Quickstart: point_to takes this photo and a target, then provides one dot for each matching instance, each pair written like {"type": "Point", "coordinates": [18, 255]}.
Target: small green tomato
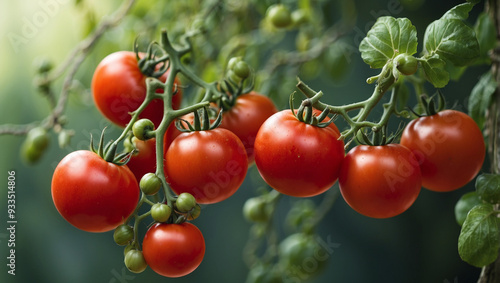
{"type": "Point", "coordinates": [242, 70]}
{"type": "Point", "coordinates": [135, 262]}
{"type": "Point", "coordinates": [185, 202]}
{"type": "Point", "coordinates": [34, 145]}
{"type": "Point", "coordinates": [255, 210]}
{"type": "Point", "coordinates": [143, 129]}
{"type": "Point", "coordinates": [160, 212]}
{"type": "Point", "coordinates": [123, 234]}
{"type": "Point", "coordinates": [194, 213]}
{"type": "Point", "coordinates": [406, 64]}
{"type": "Point", "coordinates": [150, 184]}
{"type": "Point", "coordinates": [279, 15]}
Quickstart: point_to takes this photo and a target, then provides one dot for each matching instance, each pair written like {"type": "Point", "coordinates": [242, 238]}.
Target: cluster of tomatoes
{"type": "Point", "coordinates": [297, 152]}
{"type": "Point", "coordinates": [440, 152]}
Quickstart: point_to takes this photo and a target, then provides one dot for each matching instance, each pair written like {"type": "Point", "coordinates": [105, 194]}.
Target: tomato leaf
{"type": "Point", "coordinates": [488, 187]}
{"type": "Point", "coordinates": [464, 205]}
{"type": "Point", "coordinates": [481, 97]}
{"type": "Point", "coordinates": [478, 242]}
{"type": "Point", "coordinates": [459, 12]}
{"type": "Point", "coordinates": [435, 72]}
{"type": "Point", "coordinates": [387, 38]}
{"type": "Point", "coordinates": [451, 38]}
{"type": "Point", "coordinates": [486, 35]}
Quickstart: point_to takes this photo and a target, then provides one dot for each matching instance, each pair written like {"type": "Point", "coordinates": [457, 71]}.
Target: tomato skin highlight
{"type": "Point", "coordinates": [211, 165]}
{"type": "Point", "coordinates": [173, 250]}
{"type": "Point", "coordinates": [449, 147]}
{"type": "Point", "coordinates": [295, 158]}
{"type": "Point", "coordinates": [93, 194]}
{"type": "Point", "coordinates": [380, 181]}
{"type": "Point", "coordinates": [245, 118]}
{"type": "Point", "coordinates": [119, 87]}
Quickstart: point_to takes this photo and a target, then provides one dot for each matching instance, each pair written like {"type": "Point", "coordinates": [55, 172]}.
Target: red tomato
{"type": "Point", "coordinates": [449, 147]}
{"type": "Point", "coordinates": [144, 160]}
{"type": "Point", "coordinates": [380, 181]}
{"type": "Point", "coordinates": [172, 131]}
{"type": "Point", "coordinates": [92, 194]}
{"type": "Point", "coordinates": [245, 118]}
{"type": "Point", "coordinates": [296, 158]}
{"type": "Point", "coordinates": [173, 250]}
{"type": "Point", "coordinates": [119, 87]}
{"type": "Point", "coordinates": [210, 165]}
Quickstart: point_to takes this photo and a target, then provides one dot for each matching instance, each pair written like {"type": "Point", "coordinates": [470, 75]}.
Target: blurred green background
{"type": "Point", "coordinates": [418, 246]}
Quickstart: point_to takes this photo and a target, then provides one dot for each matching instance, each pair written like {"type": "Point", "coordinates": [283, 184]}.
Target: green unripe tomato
{"type": "Point", "coordinates": [135, 262]}
{"type": "Point", "coordinates": [123, 234]}
{"type": "Point", "coordinates": [233, 77]}
{"type": "Point", "coordinates": [185, 202]}
{"type": "Point", "coordinates": [34, 145]}
{"type": "Point", "coordinates": [30, 154]}
{"type": "Point", "coordinates": [129, 247]}
{"type": "Point", "coordinates": [279, 15]}
{"type": "Point", "coordinates": [143, 129]}
{"type": "Point", "coordinates": [150, 184]}
{"type": "Point", "coordinates": [303, 254]}
{"type": "Point", "coordinates": [64, 138]}
{"type": "Point", "coordinates": [38, 138]}
{"type": "Point", "coordinates": [406, 64]}
{"type": "Point", "coordinates": [160, 212]}
{"type": "Point", "coordinates": [241, 69]}
{"type": "Point", "coordinates": [299, 17]}
{"type": "Point", "coordinates": [194, 213]}
{"type": "Point", "coordinates": [255, 210]}
{"type": "Point", "coordinates": [232, 62]}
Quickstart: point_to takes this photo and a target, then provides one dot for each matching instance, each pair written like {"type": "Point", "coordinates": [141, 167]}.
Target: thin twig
{"type": "Point", "coordinates": [73, 63]}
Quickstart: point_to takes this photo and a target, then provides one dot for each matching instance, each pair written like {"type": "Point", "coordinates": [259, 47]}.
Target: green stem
{"type": "Point", "coordinates": [326, 204]}
{"type": "Point", "coordinates": [385, 81]}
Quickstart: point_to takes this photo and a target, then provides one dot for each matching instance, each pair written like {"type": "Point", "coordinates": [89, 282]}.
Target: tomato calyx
{"type": "Point", "coordinates": [201, 121]}
{"type": "Point", "coordinates": [305, 112]}
{"type": "Point", "coordinates": [379, 137]}
{"type": "Point", "coordinates": [150, 65]}
{"type": "Point", "coordinates": [427, 105]}
{"type": "Point", "coordinates": [233, 86]}
{"type": "Point", "coordinates": [108, 151]}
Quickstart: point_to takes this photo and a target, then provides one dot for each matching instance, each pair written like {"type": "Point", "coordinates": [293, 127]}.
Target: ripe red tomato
{"type": "Point", "coordinates": [245, 118]}
{"type": "Point", "coordinates": [172, 131]}
{"type": "Point", "coordinates": [449, 147]}
{"type": "Point", "coordinates": [144, 160]}
{"type": "Point", "coordinates": [296, 158]}
{"type": "Point", "coordinates": [119, 87]}
{"type": "Point", "coordinates": [92, 194]}
{"type": "Point", "coordinates": [380, 181]}
{"type": "Point", "coordinates": [210, 165]}
{"type": "Point", "coordinates": [173, 250]}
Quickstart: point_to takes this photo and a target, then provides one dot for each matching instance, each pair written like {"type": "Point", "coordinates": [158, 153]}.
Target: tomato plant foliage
{"type": "Point", "coordinates": [194, 122]}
